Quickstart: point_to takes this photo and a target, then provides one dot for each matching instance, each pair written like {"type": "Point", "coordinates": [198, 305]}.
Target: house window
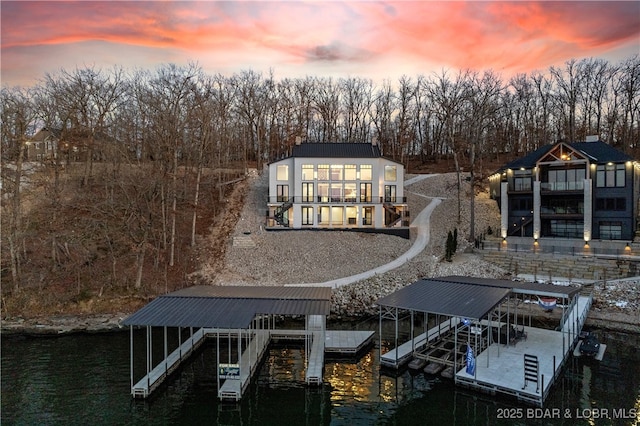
{"type": "Point", "coordinates": [323, 192]}
{"type": "Point", "coordinates": [352, 215]}
{"type": "Point", "coordinates": [307, 215]}
{"type": "Point", "coordinates": [282, 172]}
{"type": "Point", "coordinates": [390, 193]}
{"type": "Point", "coordinates": [610, 230]}
{"type": "Point", "coordinates": [390, 173]}
{"type": "Point", "coordinates": [323, 172]}
{"type": "Point", "coordinates": [307, 192]}
{"type": "Point", "coordinates": [522, 180]}
{"type": "Point", "coordinates": [282, 193]}
{"type": "Point", "coordinates": [337, 215]}
{"type": "Point", "coordinates": [350, 193]}
{"type": "Point", "coordinates": [367, 216]}
{"type": "Point", "coordinates": [365, 172]}
{"type": "Point", "coordinates": [307, 172]}
{"type": "Point", "coordinates": [336, 172]}
{"type": "Point", "coordinates": [524, 204]}
{"type": "Point", "coordinates": [613, 204]}
{"type": "Point", "coordinates": [567, 228]}
{"type": "Point", "coordinates": [323, 216]}
{"type": "Point", "coordinates": [350, 172]}
{"type": "Point", "coordinates": [365, 192]}
{"type": "Point", "coordinates": [565, 180]}
{"type": "Point", "coordinates": [610, 175]}
{"type": "Point", "coordinates": [336, 192]}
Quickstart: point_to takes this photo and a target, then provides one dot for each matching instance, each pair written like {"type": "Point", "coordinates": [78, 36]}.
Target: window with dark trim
{"type": "Point", "coordinates": [610, 230]}
{"type": "Point", "coordinates": [611, 204]}
{"type": "Point", "coordinates": [610, 175]}
{"type": "Point", "coordinates": [282, 193]}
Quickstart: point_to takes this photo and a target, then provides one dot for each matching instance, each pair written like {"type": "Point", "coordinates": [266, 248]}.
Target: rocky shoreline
{"type": "Point", "coordinates": [277, 258]}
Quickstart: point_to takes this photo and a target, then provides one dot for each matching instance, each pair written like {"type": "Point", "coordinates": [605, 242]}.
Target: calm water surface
{"type": "Point", "coordinates": [84, 379]}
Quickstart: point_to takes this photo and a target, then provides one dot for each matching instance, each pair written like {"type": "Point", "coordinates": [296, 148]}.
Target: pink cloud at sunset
{"type": "Point", "coordinates": [359, 38]}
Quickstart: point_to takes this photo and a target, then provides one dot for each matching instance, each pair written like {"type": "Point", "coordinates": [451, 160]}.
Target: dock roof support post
{"type": "Point", "coordinates": [131, 353]}
{"type": "Point", "coordinates": [413, 342]}
{"type": "Point", "coordinates": [218, 357]}
{"type": "Point", "coordinates": [148, 354]}
{"type": "Point", "coordinates": [489, 336]}
{"type": "Point", "coordinates": [180, 342]}
{"type": "Point", "coordinates": [166, 351]}
{"type": "Point", "coordinates": [396, 336]}
{"type": "Point", "coordinates": [380, 332]}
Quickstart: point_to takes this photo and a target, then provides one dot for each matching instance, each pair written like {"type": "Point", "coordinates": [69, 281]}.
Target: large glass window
{"type": "Point", "coordinates": [566, 228]}
{"type": "Point", "coordinates": [323, 192]}
{"type": "Point", "coordinates": [522, 180]}
{"type": "Point", "coordinates": [350, 172]}
{"type": "Point", "coordinates": [282, 193]}
{"type": "Point", "coordinates": [336, 172]}
{"type": "Point", "coordinates": [324, 215]}
{"type": "Point", "coordinates": [307, 172]}
{"type": "Point", "coordinates": [323, 172]}
{"type": "Point", "coordinates": [367, 216]}
{"type": "Point", "coordinates": [352, 215]}
{"type": "Point", "coordinates": [390, 173]}
{"type": "Point", "coordinates": [614, 204]}
{"type": "Point", "coordinates": [307, 191]}
{"type": "Point", "coordinates": [390, 193]}
{"type": "Point", "coordinates": [610, 175]}
{"type": "Point", "coordinates": [307, 215]}
{"type": "Point", "coordinates": [282, 172]}
{"type": "Point", "coordinates": [565, 180]}
{"type": "Point", "coordinates": [337, 215]}
{"type": "Point", "coordinates": [350, 193]}
{"type": "Point", "coordinates": [336, 192]}
{"type": "Point", "coordinates": [365, 172]}
{"type": "Point", "coordinates": [610, 230]}
{"type": "Point", "coordinates": [365, 193]}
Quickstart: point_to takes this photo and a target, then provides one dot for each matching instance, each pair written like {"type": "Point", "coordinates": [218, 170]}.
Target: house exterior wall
{"type": "Point", "coordinates": [340, 201]}
{"type": "Point", "coordinates": [594, 204]}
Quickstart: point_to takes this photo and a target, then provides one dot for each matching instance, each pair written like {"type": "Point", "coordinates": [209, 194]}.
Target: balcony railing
{"type": "Point", "coordinates": [562, 186]}
{"type": "Point", "coordinates": [341, 200]}
{"type": "Point", "coordinates": [546, 210]}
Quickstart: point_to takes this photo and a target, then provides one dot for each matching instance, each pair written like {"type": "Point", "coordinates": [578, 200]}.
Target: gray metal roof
{"type": "Point", "coordinates": [521, 287]}
{"type": "Point", "coordinates": [447, 298]}
{"type": "Point", "coordinates": [468, 297]}
{"type": "Point", "coordinates": [229, 306]}
{"type": "Point", "coordinates": [336, 150]}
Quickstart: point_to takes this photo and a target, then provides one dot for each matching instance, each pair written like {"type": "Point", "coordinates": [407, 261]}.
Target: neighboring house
{"type": "Point", "coordinates": [584, 190]}
{"type": "Point", "coordinates": [43, 145]}
{"type": "Point", "coordinates": [337, 186]}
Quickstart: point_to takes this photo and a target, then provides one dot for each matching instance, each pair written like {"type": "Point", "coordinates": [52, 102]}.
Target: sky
{"type": "Point", "coordinates": [377, 40]}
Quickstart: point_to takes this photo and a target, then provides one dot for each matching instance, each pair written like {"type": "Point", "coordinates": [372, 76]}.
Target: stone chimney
{"type": "Point", "coordinates": [374, 141]}
{"type": "Point", "coordinates": [593, 138]}
{"type": "Point", "coordinates": [298, 140]}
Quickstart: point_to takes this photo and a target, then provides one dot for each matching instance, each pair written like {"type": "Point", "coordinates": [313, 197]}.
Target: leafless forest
{"type": "Point", "coordinates": [145, 160]}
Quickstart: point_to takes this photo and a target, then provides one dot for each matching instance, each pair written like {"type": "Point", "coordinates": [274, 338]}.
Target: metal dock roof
{"type": "Point", "coordinates": [229, 306]}
{"type": "Point", "coordinates": [467, 297]}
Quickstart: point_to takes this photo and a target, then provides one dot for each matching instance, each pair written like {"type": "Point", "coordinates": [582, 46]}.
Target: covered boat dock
{"type": "Point", "coordinates": [479, 332]}
{"type": "Point", "coordinates": [242, 319]}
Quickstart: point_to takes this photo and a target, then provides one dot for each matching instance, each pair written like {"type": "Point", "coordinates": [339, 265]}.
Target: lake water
{"type": "Point", "coordinates": [84, 380]}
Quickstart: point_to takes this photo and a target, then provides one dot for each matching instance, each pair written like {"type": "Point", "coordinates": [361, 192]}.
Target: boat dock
{"type": "Point", "coordinates": [506, 355]}
{"type": "Point", "coordinates": [248, 326]}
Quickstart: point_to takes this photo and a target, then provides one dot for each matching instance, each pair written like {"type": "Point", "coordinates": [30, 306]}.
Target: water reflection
{"type": "Point", "coordinates": [67, 380]}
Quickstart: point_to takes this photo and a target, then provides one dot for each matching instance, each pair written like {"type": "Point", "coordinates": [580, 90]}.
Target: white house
{"type": "Point", "coordinates": [337, 186]}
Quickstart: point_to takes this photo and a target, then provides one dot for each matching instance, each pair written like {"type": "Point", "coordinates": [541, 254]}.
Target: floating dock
{"type": "Point", "coordinates": [484, 342]}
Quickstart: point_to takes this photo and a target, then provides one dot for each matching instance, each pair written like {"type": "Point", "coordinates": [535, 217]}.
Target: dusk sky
{"type": "Point", "coordinates": [369, 39]}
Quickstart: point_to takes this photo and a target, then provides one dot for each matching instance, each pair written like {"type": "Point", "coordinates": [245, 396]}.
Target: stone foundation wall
{"type": "Point", "coordinates": [548, 266]}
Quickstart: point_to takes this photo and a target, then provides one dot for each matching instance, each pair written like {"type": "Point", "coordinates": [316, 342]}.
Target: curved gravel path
{"type": "Point", "coordinates": [421, 223]}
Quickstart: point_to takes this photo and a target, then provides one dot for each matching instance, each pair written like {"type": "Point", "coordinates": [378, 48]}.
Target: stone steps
{"type": "Point", "coordinates": [243, 241]}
